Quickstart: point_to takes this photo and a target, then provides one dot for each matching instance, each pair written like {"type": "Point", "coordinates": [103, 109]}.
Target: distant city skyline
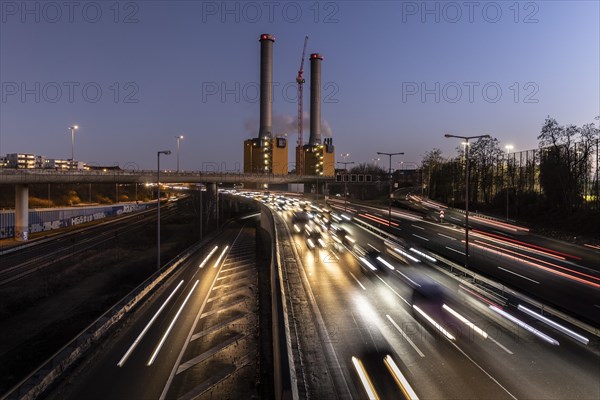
{"type": "Point", "coordinates": [397, 76]}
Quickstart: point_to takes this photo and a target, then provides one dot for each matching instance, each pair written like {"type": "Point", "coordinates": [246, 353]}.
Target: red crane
{"type": "Point", "coordinates": [300, 80]}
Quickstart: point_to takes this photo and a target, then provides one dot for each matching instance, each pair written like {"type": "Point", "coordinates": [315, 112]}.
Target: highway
{"type": "Point", "coordinates": [559, 276]}
{"type": "Point", "coordinates": [369, 314]}
{"type": "Point", "coordinates": [197, 335]}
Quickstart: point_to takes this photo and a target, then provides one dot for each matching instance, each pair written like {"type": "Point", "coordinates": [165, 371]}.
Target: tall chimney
{"type": "Point", "coordinates": [315, 99]}
{"type": "Point", "coordinates": [266, 85]}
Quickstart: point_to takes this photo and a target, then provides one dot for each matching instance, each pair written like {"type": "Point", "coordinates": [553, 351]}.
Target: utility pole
{"type": "Point", "coordinates": [346, 163]}
{"type": "Point", "coordinates": [390, 172]}
{"type": "Point", "coordinates": [165, 152]}
{"type": "Point", "coordinates": [466, 143]}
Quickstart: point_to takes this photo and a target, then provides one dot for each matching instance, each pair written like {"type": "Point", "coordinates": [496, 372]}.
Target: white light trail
{"type": "Point", "coordinates": [408, 391]}
{"type": "Point", "coordinates": [555, 325]}
{"type": "Point", "coordinates": [525, 326]}
{"type": "Point", "coordinates": [141, 335]}
{"type": "Point", "coordinates": [364, 379]}
{"type": "Point", "coordinates": [220, 257]}
{"type": "Point", "coordinates": [465, 321]}
{"type": "Point", "coordinates": [208, 256]}
{"type": "Point", "coordinates": [162, 340]}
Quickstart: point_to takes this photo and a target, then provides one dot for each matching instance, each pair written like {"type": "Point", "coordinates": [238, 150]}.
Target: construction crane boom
{"type": "Point", "coordinates": [300, 80]}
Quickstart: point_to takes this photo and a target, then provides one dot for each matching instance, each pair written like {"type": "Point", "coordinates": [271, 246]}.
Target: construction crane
{"type": "Point", "coordinates": [300, 80]}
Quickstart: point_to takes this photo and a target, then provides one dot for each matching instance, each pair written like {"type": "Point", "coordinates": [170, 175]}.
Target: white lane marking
{"type": "Point", "coordinates": [357, 281]}
{"type": "Point", "coordinates": [454, 218]}
{"type": "Point", "coordinates": [141, 335]}
{"type": "Point", "coordinates": [421, 237]}
{"type": "Point", "coordinates": [500, 345]}
{"type": "Point", "coordinates": [408, 279]}
{"type": "Point", "coordinates": [396, 293]}
{"type": "Point", "coordinates": [481, 368]}
{"type": "Point", "coordinates": [414, 346]}
{"type": "Point", "coordinates": [519, 275]}
{"type": "Point", "coordinates": [460, 252]}
{"type": "Point", "coordinates": [446, 236]}
{"type": "Point", "coordinates": [162, 341]}
{"type": "Point", "coordinates": [417, 226]}
{"type": "Point", "coordinates": [163, 395]}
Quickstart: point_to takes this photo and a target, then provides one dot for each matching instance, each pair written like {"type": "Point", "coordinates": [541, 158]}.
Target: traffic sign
{"type": "Point", "coordinates": [441, 215]}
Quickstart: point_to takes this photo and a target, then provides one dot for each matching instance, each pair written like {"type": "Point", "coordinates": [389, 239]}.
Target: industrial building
{"type": "Point", "coordinates": [268, 153]}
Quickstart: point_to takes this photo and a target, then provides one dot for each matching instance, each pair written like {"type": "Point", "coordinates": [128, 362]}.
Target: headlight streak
{"type": "Point", "coordinates": [208, 256]}
{"type": "Point", "coordinates": [310, 243]}
{"type": "Point", "coordinates": [367, 263]}
{"type": "Point", "coordinates": [364, 379]}
{"type": "Point", "coordinates": [405, 254]}
{"type": "Point", "coordinates": [434, 323]}
{"type": "Point", "coordinates": [422, 254]}
{"type": "Point", "coordinates": [220, 257]}
{"type": "Point", "coordinates": [408, 391]}
{"type": "Point", "coordinates": [141, 335]}
{"type": "Point", "coordinates": [162, 340]}
{"type": "Point", "coordinates": [553, 324]}
{"type": "Point", "coordinates": [387, 264]}
{"type": "Point", "coordinates": [525, 326]}
{"type": "Point", "coordinates": [465, 321]}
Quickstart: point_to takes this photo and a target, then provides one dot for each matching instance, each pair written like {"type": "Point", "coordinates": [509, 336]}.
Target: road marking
{"type": "Point", "coordinates": [357, 281]}
{"type": "Point", "coordinates": [414, 346]}
{"type": "Point", "coordinates": [417, 226]}
{"type": "Point", "coordinates": [421, 237]}
{"type": "Point", "coordinates": [457, 251]}
{"type": "Point", "coordinates": [163, 395]}
{"type": "Point", "coordinates": [162, 341]}
{"type": "Point", "coordinates": [396, 293]}
{"type": "Point", "coordinates": [483, 370]}
{"type": "Point", "coordinates": [500, 345]}
{"type": "Point", "coordinates": [454, 218]}
{"type": "Point", "coordinates": [446, 236]}
{"type": "Point", "coordinates": [141, 335]}
{"type": "Point", "coordinates": [408, 279]}
{"type": "Point", "coordinates": [519, 275]}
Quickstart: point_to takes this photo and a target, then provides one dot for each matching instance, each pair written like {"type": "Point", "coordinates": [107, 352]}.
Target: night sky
{"type": "Point", "coordinates": [396, 75]}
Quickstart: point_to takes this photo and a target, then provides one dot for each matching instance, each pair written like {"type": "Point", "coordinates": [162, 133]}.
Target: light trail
{"type": "Point", "coordinates": [208, 256]}
{"type": "Point", "coordinates": [148, 325]}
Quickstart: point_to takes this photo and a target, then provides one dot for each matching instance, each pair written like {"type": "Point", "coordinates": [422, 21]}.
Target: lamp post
{"type": "Point", "coordinates": [165, 152]}
{"type": "Point", "coordinates": [376, 161]}
{"type": "Point", "coordinates": [508, 148]}
{"type": "Point", "coordinates": [73, 128]}
{"type": "Point", "coordinates": [390, 171]}
{"type": "Point", "coordinates": [466, 144]}
{"type": "Point", "coordinates": [345, 180]}
{"type": "Point", "coordinates": [178, 139]}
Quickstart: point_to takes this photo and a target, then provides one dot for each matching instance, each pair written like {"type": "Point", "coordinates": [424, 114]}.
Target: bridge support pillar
{"type": "Point", "coordinates": [212, 205]}
{"type": "Point", "coordinates": [22, 212]}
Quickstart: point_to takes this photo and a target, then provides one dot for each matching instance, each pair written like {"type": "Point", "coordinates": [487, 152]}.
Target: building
{"type": "Point", "coordinates": [21, 160]}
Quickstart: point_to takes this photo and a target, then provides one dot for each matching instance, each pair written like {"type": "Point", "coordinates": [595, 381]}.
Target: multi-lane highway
{"type": "Point", "coordinates": [197, 336]}
{"type": "Point", "coordinates": [565, 277]}
{"type": "Point", "coordinates": [470, 348]}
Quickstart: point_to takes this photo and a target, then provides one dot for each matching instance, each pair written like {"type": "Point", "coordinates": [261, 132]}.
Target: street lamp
{"type": "Point", "coordinates": [508, 148]}
{"type": "Point", "coordinates": [376, 161]}
{"type": "Point", "coordinates": [178, 139]}
{"type": "Point", "coordinates": [466, 144]}
{"type": "Point", "coordinates": [73, 128]}
{"type": "Point", "coordinates": [165, 152]}
{"type": "Point", "coordinates": [390, 171]}
{"type": "Point", "coordinates": [345, 180]}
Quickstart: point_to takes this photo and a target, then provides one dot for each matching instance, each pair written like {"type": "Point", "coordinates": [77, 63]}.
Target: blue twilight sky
{"type": "Point", "coordinates": [397, 75]}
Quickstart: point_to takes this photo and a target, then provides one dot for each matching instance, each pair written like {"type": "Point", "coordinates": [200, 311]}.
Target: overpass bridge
{"type": "Point", "coordinates": [21, 178]}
